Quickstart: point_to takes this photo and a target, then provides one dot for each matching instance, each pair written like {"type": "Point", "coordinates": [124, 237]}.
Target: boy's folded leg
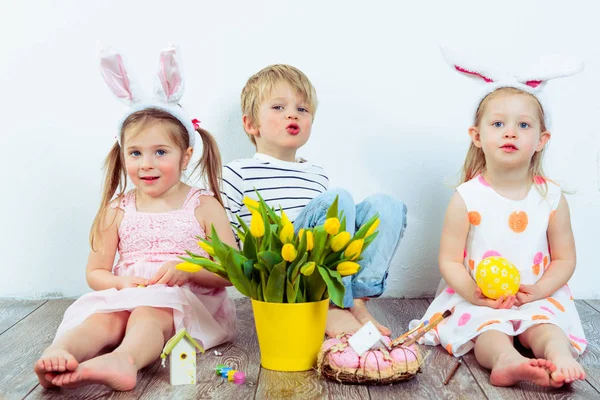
{"type": "Point", "coordinates": [315, 212]}
{"type": "Point", "coordinates": [370, 281]}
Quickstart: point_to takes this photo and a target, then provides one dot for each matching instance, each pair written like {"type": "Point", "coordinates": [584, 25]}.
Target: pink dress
{"type": "Point", "coordinates": [146, 241]}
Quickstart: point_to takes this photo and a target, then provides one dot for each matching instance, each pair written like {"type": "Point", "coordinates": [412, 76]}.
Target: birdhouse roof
{"type": "Point", "coordinates": [171, 343]}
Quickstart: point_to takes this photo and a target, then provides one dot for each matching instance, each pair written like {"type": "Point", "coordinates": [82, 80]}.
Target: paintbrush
{"type": "Point", "coordinates": [453, 371]}
{"type": "Point", "coordinates": [401, 339]}
{"type": "Point", "coordinates": [432, 324]}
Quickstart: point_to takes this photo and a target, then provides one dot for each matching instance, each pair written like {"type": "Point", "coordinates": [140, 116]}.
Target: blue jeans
{"type": "Point", "coordinates": [370, 281]}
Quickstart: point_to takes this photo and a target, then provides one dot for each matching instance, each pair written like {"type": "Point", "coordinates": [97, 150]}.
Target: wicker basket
{"type": "Point", "coordinates": [338, 361]}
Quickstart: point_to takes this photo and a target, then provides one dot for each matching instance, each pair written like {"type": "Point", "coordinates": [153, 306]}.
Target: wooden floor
{"type": "Point", "coordinates": [27, 327]}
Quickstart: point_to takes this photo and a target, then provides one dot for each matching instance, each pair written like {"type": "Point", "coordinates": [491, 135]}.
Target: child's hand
{"type": "Point", "coordinates": [169, 275]}
{"type": "Point", "coordinates": [131, 281]}
{"type": "Point", "coordinates": [501, 303]}
{"type": "Point", "coordinates": [528, 294]}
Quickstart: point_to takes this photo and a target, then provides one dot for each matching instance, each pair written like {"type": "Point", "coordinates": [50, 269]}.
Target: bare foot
{"type": "Point", "coordinates": [340, 321]}
{"type": "Point", "coordinates": [115, 370]}
{"type": "Point", "coordinates": [567, 370]}
{"type": "Point", "coordinates": [361, 313]}
{"type": "Point", "coordinates": [509, 370]}
{"type": "Point", "coordinates": [53, 359]}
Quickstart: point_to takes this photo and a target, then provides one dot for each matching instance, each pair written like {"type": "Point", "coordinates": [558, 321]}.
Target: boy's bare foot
{"type": "Point", "coordinates": [509, 370]}
{"type": "Point", "coordinates": [361, 313]}
{"type": "Point", "coordinates": [53, 360]}
{"type": "Point", "coordinates": [340, 321]}
{"type": "Point", "coordinates": [115, 370]}
{"type": "Point", "coordinates": [567, 370]}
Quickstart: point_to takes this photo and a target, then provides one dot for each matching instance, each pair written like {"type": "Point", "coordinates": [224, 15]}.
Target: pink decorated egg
{"type": "Point", "coordinates": [345, 359]}
{"type": "Point", "coordinates": [373, 360]}
{"type": "Point", "coordinates": [404, 354]}
{"type": "Point", "coordinates": [330, 342]}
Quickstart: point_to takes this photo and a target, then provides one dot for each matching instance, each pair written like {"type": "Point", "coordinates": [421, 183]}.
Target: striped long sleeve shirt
{"type": "Point", "coordinates": [282, 184]}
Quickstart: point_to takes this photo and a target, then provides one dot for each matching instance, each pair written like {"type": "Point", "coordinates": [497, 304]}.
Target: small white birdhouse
{"type": "Point", "coordinates": [182, 351]}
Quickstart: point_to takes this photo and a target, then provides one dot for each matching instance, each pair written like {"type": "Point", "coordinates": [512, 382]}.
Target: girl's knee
{"type": "Point", "coordinates": [153, 312]}
{"type": "Point", "coordinates": [162, 316]}
{"type": "Point", "coordinates": [113, 318]}
{"type": "Point", "coordinates": [540, 332]}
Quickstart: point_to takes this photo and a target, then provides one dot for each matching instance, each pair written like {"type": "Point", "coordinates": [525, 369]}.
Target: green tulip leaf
{"type": "Point", "coordinates": [335, 287]}
{"type": "Point", "coordinates": [332, 212]}
{"type": "Point", "coordinates": [276, 283]}
{"type": "Point", "coordinates": [319, 240]}
{"type": "Point", "coordinates": [315, 287]}
{"type": "Point", "coordinates": [220, 248]}
{"type": "Point", "coordinates": [249, 247]}
{"type": "Point", "coordinates": [236, 274]}
{"type": "Point", "coordinates": [276, 244]}
{"type": "Point", "coordinates": [360, 234]}
{"type": "Point", "coordinates": [270, 259]}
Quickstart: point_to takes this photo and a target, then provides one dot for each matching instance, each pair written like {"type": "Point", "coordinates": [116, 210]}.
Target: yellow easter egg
{"type": "Point", "coordinates": [496, 276]}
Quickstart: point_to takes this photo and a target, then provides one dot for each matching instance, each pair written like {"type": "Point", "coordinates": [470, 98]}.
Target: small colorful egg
{"type": "Point", "coordinates": [239, 378]}
{"type": "Point", "coordinates": [496, 276]}
{"type": "Point", "coordinates": [230, 374]}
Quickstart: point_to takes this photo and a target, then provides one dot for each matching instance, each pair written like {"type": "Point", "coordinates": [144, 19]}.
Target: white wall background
{"type": "Point", "coordinates": [393, 110]}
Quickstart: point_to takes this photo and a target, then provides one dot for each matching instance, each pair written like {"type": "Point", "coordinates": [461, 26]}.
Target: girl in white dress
{"type": "Point", "coordinates": [507, 207]}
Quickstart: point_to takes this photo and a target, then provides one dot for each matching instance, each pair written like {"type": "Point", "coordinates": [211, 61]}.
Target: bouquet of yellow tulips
{"type": "Point", "coordinates": [276, 265]}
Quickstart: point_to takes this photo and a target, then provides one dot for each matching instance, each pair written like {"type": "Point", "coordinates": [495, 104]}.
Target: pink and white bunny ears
{"type": "Point", "coordinates": [167, 92]}
{"type": "Point", "coordinates": [531, 81]}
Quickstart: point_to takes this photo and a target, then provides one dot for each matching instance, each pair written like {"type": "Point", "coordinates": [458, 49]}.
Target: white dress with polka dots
{"type": "Point", "coordinates": [515, 230]}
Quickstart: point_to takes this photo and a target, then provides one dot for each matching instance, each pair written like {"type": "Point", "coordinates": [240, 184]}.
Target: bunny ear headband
{"type": "Point", "coordinates": [167, 92]}
{"type": "Point", "coordinates": [532, 81]}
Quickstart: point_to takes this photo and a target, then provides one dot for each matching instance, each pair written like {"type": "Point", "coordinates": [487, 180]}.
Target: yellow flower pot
{"type": "Point", "coordinates": [290, 335]}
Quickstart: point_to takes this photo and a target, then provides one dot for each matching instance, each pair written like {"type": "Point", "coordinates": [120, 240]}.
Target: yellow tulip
{"type": "Point", "coordinates": [308, 268]}
{"type": "Point", "coordinates": [188, 267]}
{"type": "Point", "coordinates": [310, 243]}
{"type": "Point", "coordinates": [287, 233]}
{"type": "Point", "coordinates": [250, 203]}
{"type": "Point", "coordinates": [348, 268]}
{"type": "Point", "coordinates": [373, 227]}
{"type": "Point", "coordinates": [354, 248]}
{"type": "Point", "coordinates": [300, 233]}
{"type": "Point", "coordinates": [207, 248]}
{"type": "Point", "coordinates": [257, 225]}
{"type": "Point", "coordinates": [288, 252]}
{"type": "Point", "coordinates": [332, 226]}
{"type": "Point", "coordinates": [284, 219]}
{"type": "Point", "coordinates": [340, 240]}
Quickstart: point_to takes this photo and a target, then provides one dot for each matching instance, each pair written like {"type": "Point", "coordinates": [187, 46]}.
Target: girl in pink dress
{"type": "Point", "coordinates": [140, 302]}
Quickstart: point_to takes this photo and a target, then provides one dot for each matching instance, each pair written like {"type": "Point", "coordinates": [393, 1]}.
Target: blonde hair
{"type": "Point", "coordinates": [262, 83]}
{"type": "Point", "coordinates": [115, 179]}
{"type": "Point", "coordinates": [475, 159]}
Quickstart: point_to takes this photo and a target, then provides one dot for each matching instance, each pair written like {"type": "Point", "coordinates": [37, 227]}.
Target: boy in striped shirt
{"type": "Point", "coordinates": [278, 107]}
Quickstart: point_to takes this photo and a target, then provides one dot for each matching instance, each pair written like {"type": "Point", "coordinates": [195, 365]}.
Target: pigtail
{"type": "Point", "coordinates": [210, 163]}
{"type": "Point", "coordinates": [115, 179]}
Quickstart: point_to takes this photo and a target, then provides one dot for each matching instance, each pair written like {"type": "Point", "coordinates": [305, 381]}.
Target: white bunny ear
{"type": "Point", "coordinates": [550, 67]}
{"type": "Point", "coordinates": [115, 74]}
{"type": "Point", "coordinates": [170, 81]}
{"type": "Point", "coordinates": [462, 64]}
